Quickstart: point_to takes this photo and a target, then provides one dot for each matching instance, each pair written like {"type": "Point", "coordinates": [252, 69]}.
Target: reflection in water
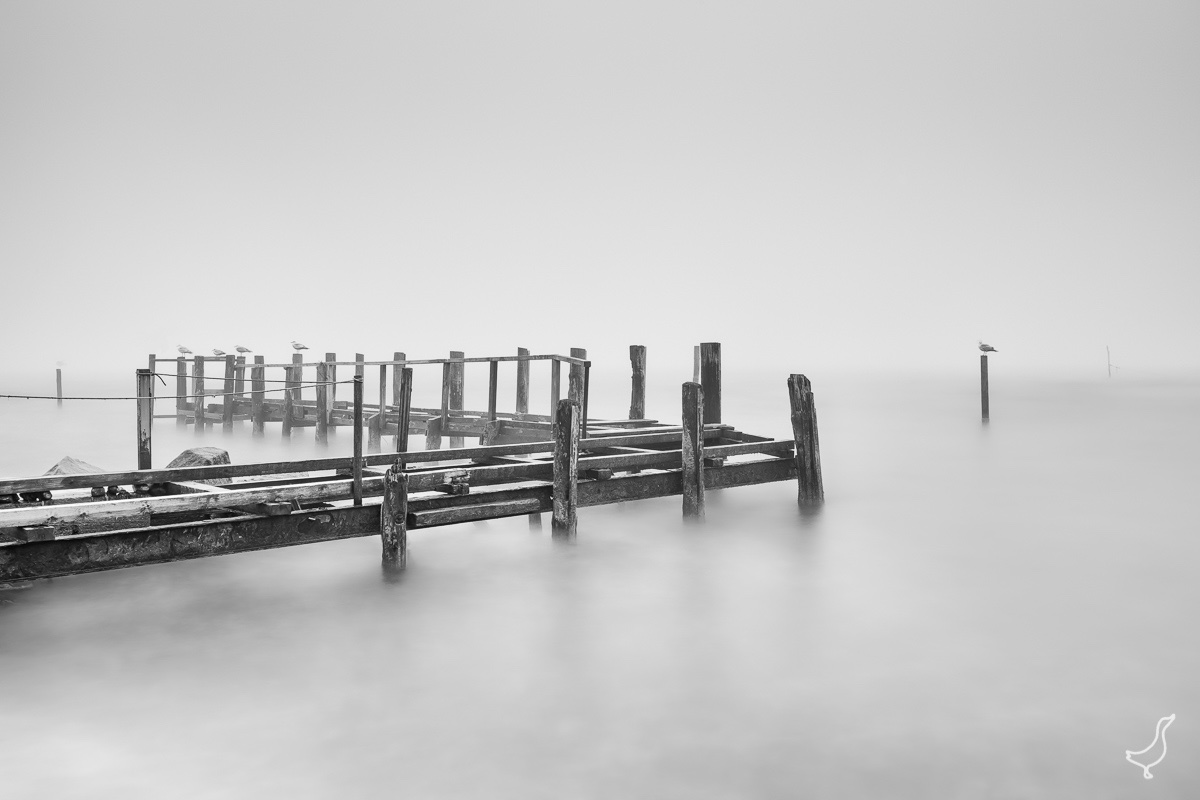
{"type": "Point", "coordinates": [968, 616]}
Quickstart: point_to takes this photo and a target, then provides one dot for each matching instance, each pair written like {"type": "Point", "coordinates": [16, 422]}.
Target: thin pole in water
{"type": "Point", "coordinates": [983, 384]}
{"type": "Point", "coordinates": [358, 447]}
{"type": "Point", "coordinates": [58, 379]}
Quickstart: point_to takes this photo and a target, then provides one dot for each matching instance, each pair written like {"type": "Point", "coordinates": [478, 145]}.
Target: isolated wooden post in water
{"type": "Point", "coordinates": [637, 393]}
{"type": "Point", "coordinates": [983, 385]}
{"type": "Point", "coordinates": [258, 409]}
{"type": "Point", "coordinates": [393, 517]}
{"type": "Point", "coordinates": [58, 382]}
{"type": "Point", "coordinates": [710, 379]}
{"type": "Point", "coordinates": [457, 379]}
{"type": "Point", "coordinates": [404, 409]}
{"type": "Point", "coordinates": [522, 383]}
{"type": "Point", "coordinates": [227, 401]}
{"type": "Point", "coordinates": [181, 400]}
{"type": "Point", "coordinates": [811, 490]}
{"type": "Point", "coordinates": [356, 488]}
{"type": "Point", "coordinates": [322, 403]}
{"type": "Point", "coordinates": [198, 391]}
{"type": "Point", "coordinates": [145, 415]}
{"type": "Point", "coordinates": [566, 467]}
{"type": "Point", "coordinates": [693, 450]}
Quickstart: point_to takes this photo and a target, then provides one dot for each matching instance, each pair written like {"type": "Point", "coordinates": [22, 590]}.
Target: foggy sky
{"type": "Point", "coordinates": [814, 184]}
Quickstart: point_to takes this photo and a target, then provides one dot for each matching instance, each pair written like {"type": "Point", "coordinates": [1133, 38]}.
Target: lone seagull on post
{"type": "Point", "coordinates": [987, 348]}
{"type": "Point", "coordinates": [243, 350]}
{"type": "Point", "coordinates": [298, 346]}
{"type": "Point", "coordinates": [183, 350]}
{"type": "Point", "coordinates": [218, 353]}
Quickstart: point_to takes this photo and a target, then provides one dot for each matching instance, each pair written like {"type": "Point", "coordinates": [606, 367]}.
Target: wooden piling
{"type": "Point", "coordinates": [393, 519]}
{"type": "Point", "coordinates": [433, 434]}
{"type": "Point", "coordinates": [58, 383]}
{"type": "Point", "coordinates": [696, 363]}
{"type": "Point", "coordinates": [331, 376]}
{"type": "Point", "coordinates": [457, 381]}
{"type": "Point", "coordinates": [375, 424]}
{"type": "Point", "coordinates": [983, 385]}
{"type": "Point", "coordinates": [227, 403]}
{"type": "Point", "coordinates": [359, 369]}
{"type": "Point", "coordinates": [522, 383]}
{"type": "Point", "coordinates": [566, 467]}
{"type": "Point", "coordinates": [811, 489]}
{"type": "Point", "coordinates": [404, 409]}
{"type": "Point", "coordinates": [145, 416]}
{"type": "Point", "coordinates": [710, 379]}
{"type": "Point", "coordinates": [289, 402]}
{"type": "Point", "coordinates": [239, 377]}
{"type": "Point", "coordinates": [396, 376]}
{"type": "Point", "coordinates": [637, 392]}
{"type": "Point", "coordinates": [181, 400]}
{"type": "Point", "coordinates": [575, 376]}
{"type": "Point", "coordinates": [444, 419]}
{"type": "Point", "coordinates": [693, 451]}
{"type": "Point", "coordinates": [298, 377]}
{"type": "Point", "coordinates": [493, 388]}
{"type": "Point", "coordinates": [198, 391]}
{"type": "Point", "coordinates": [356, 488]}
{"type": "Point", "coordinates": [322, 403]}
{"type": "Point", "coordinates": [555, 384]}
{"type": "Point", "coordinates": [258, 408]}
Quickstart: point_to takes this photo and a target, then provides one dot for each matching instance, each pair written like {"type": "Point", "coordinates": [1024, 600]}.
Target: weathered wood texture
{"type": "Point", "coordinates": [522, 402]}
{"type": "Point", "coordinates": [393, 518]}
{"type": "Point", "coordinates": [239, 376]}
{"type": "Point", "coordinates": [811, 489]}
{"type": "Point", "coordinates": [331, 375]}
{"type": "Point", "coordinates": [289, 402]}
{"type": "Point", "coordinates": [575, 377]}
{"type": "Point", "coordinates": [358, 441]}
{"type": "Point", "coordinates": [258, 409]}
{"type": "Point", "coordinates": [710, 379]}
{"type": "Point", "coordinates": [145, 416]}
{"type": "Point", "coordinates": [227, 394]}
{"type": "Point", "coordinates": [983, 386]}
{"type": "Point", "coordinates": [198, 391]}
{"type": "Point", "coordinates": [555, 385]}
{"type": "Point", "coordinates": [693, 451]}
{"type": "Point", "coordinates": [58, 384]}
{"type": "Point", "coordinates": [566, 467]}
{"type": "Point", "coordinates": [457, 386]}
{"type": "Point", "coordinates": [181, 401]}
{"type": "Point", "coordinates": [404, 409]}
{"type": "Point", "coordinates": [323, 402]}
{"type": "Point", "coordinates": [637, 392]}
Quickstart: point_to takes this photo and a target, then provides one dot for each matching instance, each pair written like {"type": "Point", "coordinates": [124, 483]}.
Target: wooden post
{"type": "Point", "coordinates": [637, 394]}
{"type": "Point", "coordinates": [457, 379]}
{"type": "Point", "coordinates": [359, 368]}
{"type": "Point", "coordinates": [331, 376]}
{"type": "Point", "coordinates": [587, 382]}
{"type": "Point", "coordinates": [289, 402]}
{"type": "Point", "coordinates": [566, 466]}
{"type": "Point", "coordinates": [239, 377]}
{"type": "Point", "coordinates": [227, 404]}
{"type": "Point", "coordinates": [396, 375]}
{"type": "Point", "coordinates": [983, 385]}
{"type": "Point", "coordinates": [575, 376]}
{"type": "Point", "coordinates": [433, 434]}
{"type": "Point", "coordinates": [710, 379]}
{"type": "Point", "coordinates": [258, 409]}
{"type": "Point", "coordinates": [696, 363]}
{"type": "Point", "coordinates": [693, 450]}
{"type": "Point", "coordinates": [322, 403]}
{"type": "Point", "coordinates": [298, 377]}
{"type": "Point", "coordinates": [376, 423]}
{"type": "Point", "coordinates": [356, 488]}
{"type": "Point", "coordinates": [58, 382]}
{"type": "Point", "coordinates": [555, 381]}
{"type": "Point", "coordinates": [493, 388]}
{"type": "Point", "coordinates": [393, 517]}
{"type": "Point", "coordinates": [198, 391]}
{"type": "Point", "coordinates": [811, 490]}
{"type": "Point", "coordinates": [522, 383]}
{"type": "Point", "coordinates": [404, 409]}
{"type": "Point", "coordinates": [444, 419]}
{"type": "Point", "coordinates": [145, 416]}
{"type": "Point", "coordinates": [181, 400]}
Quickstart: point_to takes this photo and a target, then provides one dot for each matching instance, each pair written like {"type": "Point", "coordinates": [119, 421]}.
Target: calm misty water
{"type": "Point", "coordinates": [979, 611]}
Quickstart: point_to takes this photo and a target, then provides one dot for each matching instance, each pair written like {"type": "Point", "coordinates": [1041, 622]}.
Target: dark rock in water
{"type": "Point", "coordinates": [73, 466]}
{"type": "Point", "coordinates": [203, 457]}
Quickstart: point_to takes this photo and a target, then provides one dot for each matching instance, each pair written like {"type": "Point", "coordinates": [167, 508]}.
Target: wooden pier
{"type": "Point", "coordinates": [525, 464]}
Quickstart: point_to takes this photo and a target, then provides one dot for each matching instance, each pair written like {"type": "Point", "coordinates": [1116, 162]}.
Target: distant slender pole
{"type": "Point", "coordinates": [145, 415]}
{"type": "Point", "coordinates": [457, 380]}
{"type": "Point", "coordinates": [393, 519]}
{"type": "Point", "coordinates": [198, 391]}
{"type": "Point", "coordinates": [323, 402]}
{"type": "Point", "coordinates": [522, 383]}
{"type": "Point", "coordinates": [566, 467]}
{"type": "Point", "coordinates": [356, 491]}
{"type": "Point", "coordinates": [983, 384]}
{"type": "Point", "coordinates": [258, 409]}
{"type": "Point", "coordinates": [404, 409]}
{"type": "Point", "coordinates": [710, 379]}
{"type": "Point", "coordinates": [58, 380]}
{"type": "Point", "coordinates": [637, 393]}
{"type": "Point", "coordinates": [811, 488]}
{"type": "Point", "coordinates": [693, 451]}
{"type": "Point", "coordinates": [228, 399]}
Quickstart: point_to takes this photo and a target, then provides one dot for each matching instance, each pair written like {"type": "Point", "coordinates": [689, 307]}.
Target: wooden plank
{"type": "Point", "coordinates": [666, 484]}
{"type": "Point", "coordinates": [810, 487]}
{"type": "Point", "coordinates": [637, 392]}
{"type": "Point", "coordinates": [522, 406]}
{"type": "Point", "coordinates": [393, 518]}
{"type": "Point", "coordinates": [471, 513]}
{"type": "Point", "coordinates": [566, 469]}
{"type": "Point", "coordinates": [693, 451]}
{"type": "Point", "coordinates": [710, 380]}
{"type": "Point", "coordinates": [145, 417]}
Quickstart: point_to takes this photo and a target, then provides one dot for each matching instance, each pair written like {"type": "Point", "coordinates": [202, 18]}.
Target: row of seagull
{"type": "Point", "coordinates": [243, 350]}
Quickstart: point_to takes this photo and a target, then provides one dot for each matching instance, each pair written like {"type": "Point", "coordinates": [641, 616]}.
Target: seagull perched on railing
{"type": "Point", "coordinates": [987, 348]}
{"type": "Point", "coordinates": [217, 352]}
{"type": "Point", "coordinates": [183, 350]}
{"type": "Point", "coordinates": [243, 350]}
{"type": "Point", "coordinates": [298, 346]}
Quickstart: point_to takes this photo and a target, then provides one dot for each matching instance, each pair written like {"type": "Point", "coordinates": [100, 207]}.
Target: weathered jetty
{"type": "Point", "coordinates": [525, 464]}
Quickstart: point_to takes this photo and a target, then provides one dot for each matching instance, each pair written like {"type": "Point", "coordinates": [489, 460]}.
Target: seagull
{"type": "Point", "coordinates": [183, 350]}
{"type": "Point", "coordinates": [243, 350]}
{"type": "Point", "coordinates": [217, 352]}
{"type": "Point", "coordinates": [1160, 732]}
{"type": "Point", "coordinates": [298, 346]}
{"type": "Point", "coordinates": [987, 348]}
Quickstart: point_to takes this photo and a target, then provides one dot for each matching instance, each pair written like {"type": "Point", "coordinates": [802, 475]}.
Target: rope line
{"type": "Point", "coordinates": [166, 397]}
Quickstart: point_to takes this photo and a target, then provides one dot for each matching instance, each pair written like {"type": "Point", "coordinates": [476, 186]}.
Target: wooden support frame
{"type": "Point", "coordinates": [693, 451]}
{"type": "Point", "coordinates": [398, 358]}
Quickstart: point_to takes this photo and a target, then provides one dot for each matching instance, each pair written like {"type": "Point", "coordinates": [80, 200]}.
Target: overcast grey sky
{"type": "Point", "coordinates": [827, 183]}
